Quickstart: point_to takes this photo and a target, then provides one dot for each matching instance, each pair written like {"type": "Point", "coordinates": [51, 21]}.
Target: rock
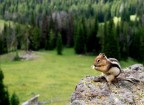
{"type": "Point", "coordinates": [28, 56]}
{"type": "Point", "coordinates": [32, 101]}
{"type": "Point", "coordinates": [137, 67]}
{"type": "Point", "coordinates": [78, 102]}
{"type": "Point", "coordinates": [126, 90]}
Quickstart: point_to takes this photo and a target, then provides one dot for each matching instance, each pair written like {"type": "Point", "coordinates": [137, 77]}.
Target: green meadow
{"type": "Point", "coordinates": [51, 76]}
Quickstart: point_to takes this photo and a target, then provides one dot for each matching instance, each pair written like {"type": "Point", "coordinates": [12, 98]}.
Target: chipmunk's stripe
{"type": "Point", "coordinates": [113, 59]}
{"type": "Point", "coordinates": [115, 64]}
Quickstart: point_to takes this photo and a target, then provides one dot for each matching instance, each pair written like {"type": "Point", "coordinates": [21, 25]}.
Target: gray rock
{"type": "Point", "coordinates": [137, 67]}
{"type": "Point", "coordinates": [127, 90]}
{"type": "Point", "coordinates": [78, 102]}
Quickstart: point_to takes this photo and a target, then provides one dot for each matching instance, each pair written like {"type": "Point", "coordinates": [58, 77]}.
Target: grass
{"type": "Point", "coordinates": [53, 77]}
{"type": "Point", "coordinates": [128, 62]}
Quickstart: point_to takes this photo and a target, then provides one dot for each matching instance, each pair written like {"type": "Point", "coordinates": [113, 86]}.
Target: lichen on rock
{"type": "Point", "coordinates": [126, 90]}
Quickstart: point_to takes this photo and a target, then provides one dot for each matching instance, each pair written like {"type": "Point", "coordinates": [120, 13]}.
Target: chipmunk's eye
{"type": "Point", "coordinates": [98, 60]}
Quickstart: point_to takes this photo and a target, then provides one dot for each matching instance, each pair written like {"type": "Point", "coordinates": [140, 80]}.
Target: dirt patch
{"type": "Point", "coordinates": [30, 55]}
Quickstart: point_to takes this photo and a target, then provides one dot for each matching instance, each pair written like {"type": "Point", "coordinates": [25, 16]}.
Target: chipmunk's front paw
{"type": "Point", "coordinates": [94, 67]}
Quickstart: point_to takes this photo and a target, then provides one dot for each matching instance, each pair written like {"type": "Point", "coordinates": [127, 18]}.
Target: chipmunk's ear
{"type": "Point", "coordinates": [102, 54]}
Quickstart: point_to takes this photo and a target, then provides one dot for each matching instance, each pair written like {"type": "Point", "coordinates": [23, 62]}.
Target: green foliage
{"type": "Point", "coordinates": [16, 58]}
{"type": "Point", "coordinates": [111, 44]}
{"type": "Point", "coordinates": [44, 37]}
{"type": "Point", "coordinates": [18, 36]}
{"type": "Point", "coordinates": [1, 76]}
{"type": "Point", "coordinates": [125, 14]}
{"type": "Point", "coordinates": [59, 44]}
{"type": "Point", "coordinates": [51, 41]}
{"type": "Point", "coordinates": [14, 99]}
{"type": "Point", "coordinates": [77, 21]}
{"type": "Point", "coordinates": [3, 40]}
{"type": "Point", "coordinates": [124, 36]}
{"type": "Point", "coordinates": [4, 95]}
{"type": "Point", "coordinates": [34, 38]}
{"type": "Point", "coordinates": [31, 11]}
{"type": "Point", "coordinates": [80, 44]}
{"type": "Point", "coordinates": [137, 47]}
{"type": "Point", "coordinates": [93, 41]}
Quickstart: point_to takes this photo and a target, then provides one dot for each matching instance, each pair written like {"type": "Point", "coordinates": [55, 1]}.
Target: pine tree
{"type": "Point", "coordinates": [26, 37]}
{"type": "Point", "coordinates": [80, 44]}
{"type": "Point", "coordinates": [137, 46]}
{"type": "Point", "coordinates": [125, 16]}
{"type": "Point", "coordinates": [59, 44]}
{"type": "Point", "coordinates": [51, 42]}
{"type": "Point", "coordinates": [16, 57]}
{"type": "Point", "coordinates": [0, 44]}
{"type": "Point", "coordinates": [124, 40]}
{"type": "Point", "coordinates": [18, 36]}
{"type": "Point", "coordinates": [32, 18]}
{"type": "Point", "coordinates": [4, 95]}
{"type": "Point", "coordinates": [35, 38]}
{"type": "Point", "coordinates": [44, 31]}
{"type": "Point", "coordinates": [93, 42]}
{"type": "Point", "coordinates": [4, 46]}
{"type": "Point", "coordinates": [142, 45]}
{"type": "Point", "coordinates": [14, 99]}
{"type": "Point", "coordinates": [111, 44]}
{"type": "Point", "coordinates": [104, 36]}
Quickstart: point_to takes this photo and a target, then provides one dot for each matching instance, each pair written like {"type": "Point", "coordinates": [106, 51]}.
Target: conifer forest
{"type": "Point", "coordinates": [115, 27]}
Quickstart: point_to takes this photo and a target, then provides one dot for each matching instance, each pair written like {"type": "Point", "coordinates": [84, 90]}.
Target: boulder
{"type": "Point", "coordinates": [128, 89]}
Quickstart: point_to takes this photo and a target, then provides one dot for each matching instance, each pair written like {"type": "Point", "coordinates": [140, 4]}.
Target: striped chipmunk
{"type": "Point", "coordinates": [110, 67]}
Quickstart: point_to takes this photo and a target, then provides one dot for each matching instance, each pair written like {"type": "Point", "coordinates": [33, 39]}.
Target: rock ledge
{"type": "Point", "coordinates": [93, 90]}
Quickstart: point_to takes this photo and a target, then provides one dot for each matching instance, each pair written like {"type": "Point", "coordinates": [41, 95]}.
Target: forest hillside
{"type": "Point", "coordinates": [89, 26]}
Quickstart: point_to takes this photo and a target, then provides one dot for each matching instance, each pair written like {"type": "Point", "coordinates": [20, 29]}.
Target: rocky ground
{"type": "Point", "coordinates": [29, 55]}
{"type": "Point", "coordinates": [128, 89]}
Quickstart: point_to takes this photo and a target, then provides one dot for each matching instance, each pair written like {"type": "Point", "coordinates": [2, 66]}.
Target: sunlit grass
{"type": "Point", "coordinates": [53, 77]}
{"type": "Point", "coordinates": [128, 62]}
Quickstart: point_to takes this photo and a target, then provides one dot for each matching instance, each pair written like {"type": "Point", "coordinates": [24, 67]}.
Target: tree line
{"type": "Point", "coordinates": [86, 25]}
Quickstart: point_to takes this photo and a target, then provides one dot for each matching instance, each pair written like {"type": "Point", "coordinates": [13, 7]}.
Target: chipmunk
{"type": "Point", "coordinates": [110, 67]}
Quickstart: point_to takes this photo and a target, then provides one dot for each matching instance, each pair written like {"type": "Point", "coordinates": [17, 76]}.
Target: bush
{"type": "Point", "coordinates": [59, 44]}
{"type": "Point", "coordinates": [4, 95]}
{"type": "Point", "coordinates": [14, 99]}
